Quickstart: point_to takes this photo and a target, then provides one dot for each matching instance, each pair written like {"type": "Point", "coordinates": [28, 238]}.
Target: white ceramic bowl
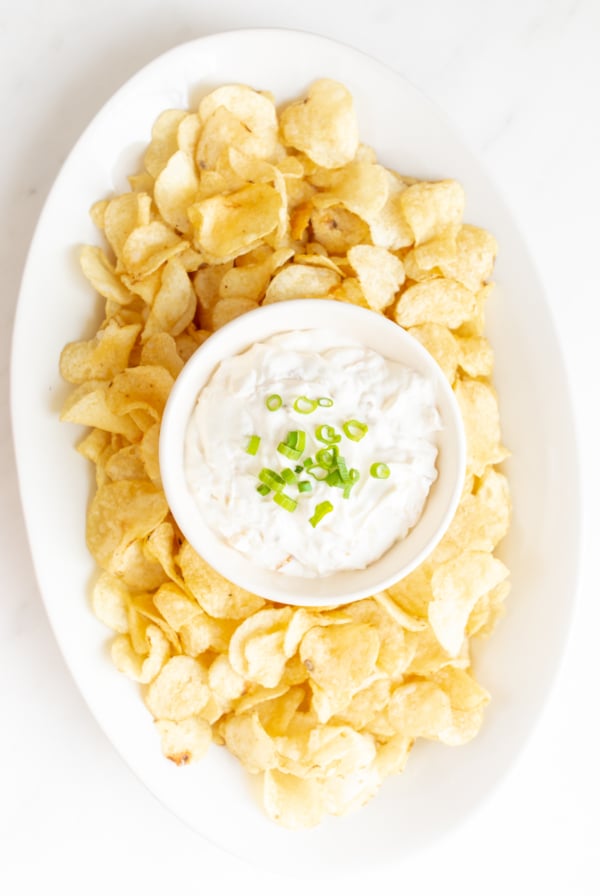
{"type": "Point", "coordinates": [374, 331]}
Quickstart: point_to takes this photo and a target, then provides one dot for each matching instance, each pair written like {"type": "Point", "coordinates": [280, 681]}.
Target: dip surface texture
{"type": "Point", "coordinates": [396, 404]}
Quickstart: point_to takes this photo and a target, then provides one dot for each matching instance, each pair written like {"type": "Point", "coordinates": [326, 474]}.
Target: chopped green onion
{"type": "Point", "coordinates": [327, 457]}
{"type": "Point", "coordinates": [305, 405]}
{"type": "Point", "coordinates": [271, 479]}
{"type": "Point", "coordinates": [286, 502]}
{"type": "Point", "coordinates": [296, 439]}
{"type": "Point", "coordinates": [380, 471]}
{"type": "Point", "coordinates": [325, 402]}
{"type": "Point", "coordinates": [320, 510]}
{"type": "Point", "coordinates": [274, 402]}
{"type": "Point", "coordinates": [354, 474]}
{"type": "Point", "coordinates": [353, 477]}
{"type": "Point", "coordinates": [308, 462]}
{"type": "Point", "coordinates": [253, 443]}
{"type": "Point", "coordinates": [289, 476]}
{"type": "Point", "coordinates": [343, 469]}
{"type": "Point", "coordinates": [304, 486]}
{"type": "Point", "coordinates": [318, 472]}
{"type": "Point", "coordinates": [327, 434]}
{"type": "Point", "coordinates": [355, 430]}
{"type": "Point", "coordinates": [334, 479]}
{"type": "Point", "coordinates": [263, 490]}
{"type": "Point", "coordinates": [292, 453]}
{"type": "Point", "coordinates": [299, 468]}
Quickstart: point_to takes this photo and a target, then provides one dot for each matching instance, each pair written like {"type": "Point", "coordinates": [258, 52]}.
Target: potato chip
{"type": "Point", "coordinates": [227, 226]}
{"type": "Point", "coordinates": [361, 187]}
{"type": "Point", "coordinates": [457, 585]}
{"type": "Point", "coordinates": [110, 600]}
{"type": "Point", "coordinates": [121, 217]}
{"type": "Point", "coordinates": [476, 357]}
{"type": "Point", "coordinates": [102, 275]}
{"type": "Point", "coordinates": [148, 247]}
{"type": "Point", "coordinates": [323, 124]}
{"type": "Point", "coordinates": [337, 229]}
{"type": "Point", "coordinates": [255, 113]}
{"type": "Point", "coordinates": [441, 344]}
{"type": "Point", "coordinates": [164, 140]}
{"type": "Point", "coordinates": [174, 305]}
{"type": "Point", "coordinates": [160, 350]}
{"type": "Point", "coordinates": [141, 667]}
{"type": "Point", "coordinates": [175, 190]}
{"type": "Point", "coordinates": [100, 358]}
{"type": "Point", "coordinates": [188, 132]}
{"type": "Point", "coordinates": [142, 388]}
{"type": "Point", "coordinates": [88, 405]}
{"type": "Point", "coordinates": [225, 683]}
{"type": "Point", "coordinates": [420, 709]}
{"type": "Point", "coordinates": [430, 208]}
{"type": "Point", "coordinates": [256, 650]}
{"type": "Point", "coordinates": [380, 274]}
{"type": "Point", "coordinates": [227, 310]}
{"type": "Point", "coordinates": [217, 597]}
{"type": "Point", "coordinates": [301, 281]}
{"type": "Point", "coordinates": [393, 755]}
{"type": "Point", "coordinates": [276, 714]}
{"type": "Point", "coordinates": [479, 409]}
{"type": "Point", "coordinates": [389, 227]}
{"type": "Point", "coordinates": [185, 741]}
{"type": "Point", "coordinates": [439, 301]}
{"type": "Point", "coordinates": [473, 262]}
{"type": "Point", "coordinates": [247, 739]}
{"type": "Point", "coordinates": [180, 690]}
{"type": "Point", "coordinates": [126, 463]}
{"type": "Point", "coordinates": [488, 610]}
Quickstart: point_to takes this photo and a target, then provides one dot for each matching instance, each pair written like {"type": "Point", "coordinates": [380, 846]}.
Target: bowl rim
{"type": "Point", "coordinates": [342, 587]}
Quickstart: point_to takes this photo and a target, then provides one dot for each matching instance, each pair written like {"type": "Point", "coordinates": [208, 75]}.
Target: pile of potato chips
{"type": "Point", "coordinates": [238, 206]}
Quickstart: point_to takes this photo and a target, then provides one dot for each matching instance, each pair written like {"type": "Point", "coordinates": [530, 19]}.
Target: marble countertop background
{"type": "Point", "coordinates": [520, 81]}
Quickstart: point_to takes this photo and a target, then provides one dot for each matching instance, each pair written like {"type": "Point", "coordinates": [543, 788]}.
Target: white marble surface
{"type": "Point", "coordinates": [519, 79]}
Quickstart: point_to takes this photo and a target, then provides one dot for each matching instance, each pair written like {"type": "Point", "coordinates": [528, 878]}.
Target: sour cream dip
{"type": "Point", "coordinates": [397, 438]}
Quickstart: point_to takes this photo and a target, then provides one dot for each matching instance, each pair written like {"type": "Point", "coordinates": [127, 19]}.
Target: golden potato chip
{"type": "Point", "coordinates": [413, 592]}
{"type": "Point", "coordinates": [380, 274]}
{"type": "Point", "coordinates": [110, 601]}
{"type": "Point", "coordinates": [102, 275]}
{"type": "Point", "coordinates": [100, 358]}
{"type": "Point", "coordinates": [185, 741]}
{"type": "Point", "coordinates": [325, 751]}
{"type": "Point", "coordinates": [255, 113]}
{"type": "Point", "coordinates": [392, 756]}
{"type": "Point", "coordinates": [148, 247]}
{"type": "Point", "coordinates": [388, 226]}
{"type": "Point", "coordinates": [207, 282]}
{"type": "Point", "coordinates": [149, 453]}
{"type": "Point", "coordinates": [139, 571]}
{"type": "Point", "coordinates": [120, 513]}
{"type": "Point", "coordinates": [276, 714]}
{"type": "Point", "coordinates": [225, 684]}
{"type": "Point", "coordinates": [227, 226]}
{"type": "Point", "coordinates": [217, 597]}
{"type": "Point", "coordinates": [93, 445]}
{"type": "Point", "coordinates": [430, 208]}
{"type": "Point", "coordinates": [293, 802]}
{"type": "Point", "coordinates": [488, 610]}
{"type": "Point", "coordinates": [174, 305]}
{"type": "Point", "coordinates": [361, 187]}
{"type": "Point", "coordinates": [175, 190]}
{"type": "Point", "coordinates": [141, 667]}
{"type": "Point", "coordinates": [441, 345]}
{"type": "Point", "coordinates": [121, 217]}
{"type": "Point", "coordinates": [160, 350]}
{"type": "Point", "coordinates": [247, 739]}
{"type": "Point", "coordinates": [393, 656]}
{"type": "Point", "coordinates": [420, 709]}
{"type": "Point", "coordinates": [426, 260]}
{"type": "Point", "coordinates": [140, 388]}
{"type": "Point", "coordinates": [256, 650]}
{"type": "Point", "coordinates": [180, 690]}
{"type": "Point", "coordinates": [323, 124]}
{"type": "Point", "coordinates": [473, 261]}
{"type": "Point", "coordinates": [428, 655]}
{"type": "Point", "coordinates": [126, 463]}
{"type": "Point", "coordinates": [164, 140]}
{"type": "Point", "coordinates": [141, 183]}
{"type": "Point", "coordinates": [188, 132]}
{"type": "Point", "coordinates": [301, 281]}
{"type": "Point", "coordinates": [228, 309]}
{"type": "Point", "coordinates": [365, 704]}
{"type": "Point", "coordinates": [438, 301]}
{"type": "Point", "coordinates": [479, 409]}
{"type": "Point", "coordinates": [476, 357]}
{"type": "Point", "coordinates": [402, 618]}
{"type": "Point", "coordinates": [203, 633]}
{"type": "Point", "coordinates": [337, 229]}
{"type": "Point", "coordinates": [88, 405]}
{"type": "Point", "coordinates": [457, 585]}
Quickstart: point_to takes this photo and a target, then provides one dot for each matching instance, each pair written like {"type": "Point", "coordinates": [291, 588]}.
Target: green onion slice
{"type": "Point", "coordinates": [285, 501]}
{"type": "Point", "coordinates": [271, 479]}
{"type": "Point", "coordinates": [263, 490]}
{"type": "Point", "coordinates": [327, 434]}
{"type": "Point", "coordinates": [308, 462]}
{"type": "Point", "coordinates": [253, 443]}
{"type": "Point", "coordinates": [321, 510]}
{"type": "Point", "coordinates": [304, 486]}
{"type": "Point", "coordinates": [274, 402]}
{"type": "Point", "coordinates": [355, 430]}
{"type": "Point", "coordinates": [353, 477]}
{"type": "Point", "coordinates": [343, 469]}
{"type": "Point", "coordinates": [305, 405]}
{"type": "Point", "coordinates": [334, 479]}
{"type": "Point", "coordinates": [354, 474]}
{"type": "Point", "coordinates": [296, 439]}
{"type": "Point", "coordinates": [289, 476]}
{"type": "Point", "coordinates": [287, 451]}
{"type": "Point", "coordinates": [380, 471]}
{"type": "Point", "coordinates": [325, 402]}
{"type": "Point", "coordinates": [327, 457]}
{"type": "Point", "coordinates": [318, 472]}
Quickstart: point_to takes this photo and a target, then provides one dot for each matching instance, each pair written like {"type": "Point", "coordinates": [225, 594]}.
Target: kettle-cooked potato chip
{"type": "Point", "coordinates": [323, 124]}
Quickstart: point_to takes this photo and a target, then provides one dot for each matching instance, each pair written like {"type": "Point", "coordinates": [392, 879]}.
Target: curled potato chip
{"type": "Point", "coordinates": [228, 309]}
{"type": "Point", "coordinates": [430, 208]}
{"type": "Point", "coordinates": [160, 350]}
{"type": "Point", "coordinates": [380, 274]}
{"type": "Point", "coordinates": [457, 585]}
{"type": "Point", "coordinates": [148, 247]}
{"type": "Point", "coordinates": [121, 217]}
{"type": "Point", "coordinates": [361, 187]}
{"type": "Point", "coordinates": [88, 405]}
{"type": "Point", "coordinates": [256, 650]}
{"type": "Point", "coordinates": [323, 124]}
{"type": "Point", "coordinates": [142, 388]}
{"type": "Point", "coordinates": [439, 301]}
{"type": "Point", "coordinates": [180, 690]}
{"type": "Point", "coordinates": [175, 190]}
{"type": "Point", "coordinates": [102, 275]}
{"type": "Point", "coordinates": [247, 739]}
{"type": "Point", "coordinates": [141, 667]}
{"type": "Point", "coordinates": [441, 344]}
{"type": "Point", "coordinates": [174, 305]}
{"type": "Point", "coordinates": [100, 358]}
{"type": "Point", "coordinates": [389, 227]}
{"type": "Point", "coordinates": [164, 140]}
{"type": "Point", "coordinates": [225, 683]}
{"type": "Point", "coordinates": [476, 357]}
{"type": "Point", "coordinates": [110, 600]}
{"type": "Point", "coordinates": [276, 714]}
{"type": "Point", "coordinates": [227, 226]}
{"type": "Point", "coordinates": [301, 281]}
{"type": "Point", "coordinates": [185, 741]}
{"type": "Point", "coordinates": [481, 418]}
{"type": "Point", "coordinates": [217, 597]}
{"type": "Point", "coordinates": [325, 751]}
{"type": "Point", "coordinates": [474, 258]}
{"type": "Point", "coordinates": [337, 229]}
{"type": "Point", "coordinates": [420, 709]}
{"type": "Point", "coordinates": [120, 513]}
{"type": "Point", "coordinates": [253, 110]}
{"type": "Point", "coordinates": [126, 463]}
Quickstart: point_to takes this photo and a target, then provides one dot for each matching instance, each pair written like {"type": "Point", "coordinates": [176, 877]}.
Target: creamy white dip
{"type": "Point", "coordinates": [396, 403]}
